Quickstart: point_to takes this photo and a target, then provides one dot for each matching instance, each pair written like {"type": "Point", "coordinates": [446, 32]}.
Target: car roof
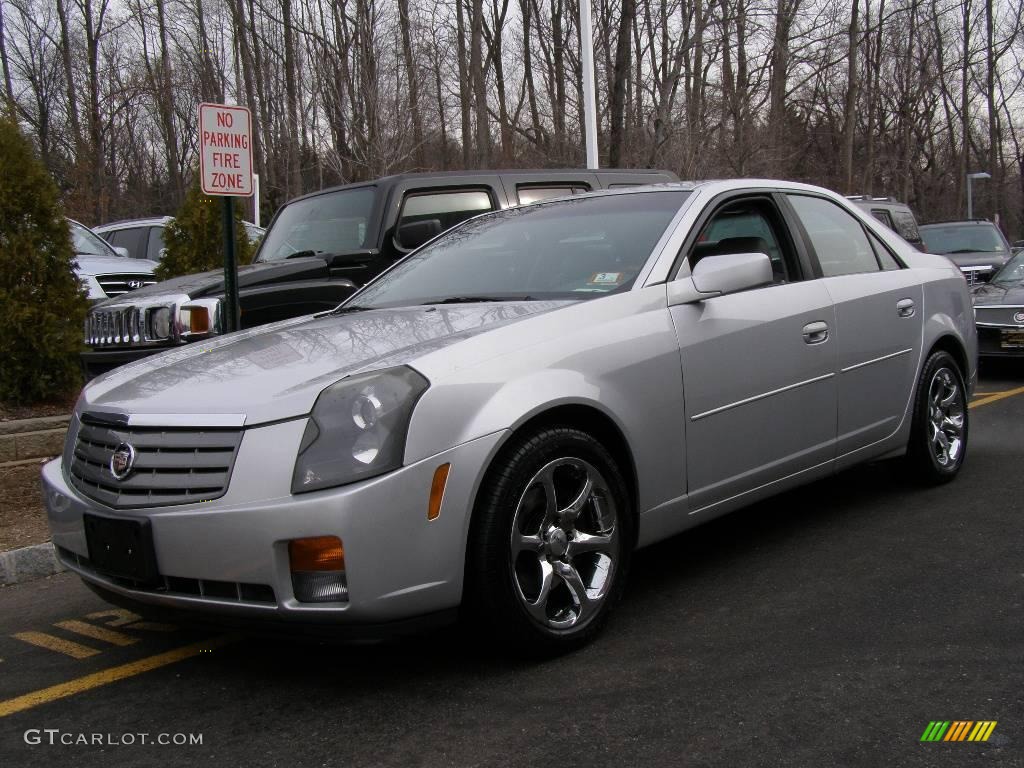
{"type": "Point", "coordinates": [958, 222]}
{"type": "Point", "coordinates": [554, 173]}
{"type": "Point", "coordinates": [128, 223]}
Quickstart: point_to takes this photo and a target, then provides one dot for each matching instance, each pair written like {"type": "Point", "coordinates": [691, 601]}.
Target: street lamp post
{"type": "Point", "coordinates": [970, 199]}
{"type": "Point", "coordinates": [589, 96]}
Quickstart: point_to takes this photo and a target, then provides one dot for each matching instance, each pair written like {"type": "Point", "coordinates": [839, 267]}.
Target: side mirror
{"type": "Point", "coordinates": [732, 272]}
{"type": "Point", "coordinates": [414, 234]}
{"type": "Point", "coordinates": [120, 250]}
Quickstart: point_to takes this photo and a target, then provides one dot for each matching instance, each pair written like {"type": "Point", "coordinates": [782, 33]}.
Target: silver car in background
{"type": "Point", "coordinates": [498, 422]}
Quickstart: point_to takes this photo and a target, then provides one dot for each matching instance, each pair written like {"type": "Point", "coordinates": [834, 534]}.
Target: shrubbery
{"type": "Point", "coordinates": [43, 304]}
{"type": "Point", "coordinates": [195, 239]}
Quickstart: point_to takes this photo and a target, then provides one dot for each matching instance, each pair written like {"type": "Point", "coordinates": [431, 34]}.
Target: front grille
{"type": "Point", "coordinates": [121, 327]}
{"type": "Point", "coordinates": [172, 586]}
{"type": "Point", "coordinates": [115, 285]}
{"type": "Point", "coordinates": [977, 275]}
{"type": "Point", "coordinates": [999, 315]}
{"type": "Point", "coordinates": [172, 466]}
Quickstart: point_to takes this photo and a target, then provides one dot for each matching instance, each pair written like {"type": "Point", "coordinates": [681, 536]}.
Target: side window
{"type": "Point", "coordinates": [444, 209]}
{"type": "Point", "coordinates": [132, 239]}
{"type": "Point", "coordinates": [748, 226]}
{"type": "Point", "coordinates": [883, 254]}
{"type": "Point", "coordinates": [156, 244]}
{"type": "Point", "coordinates": [906, 227]}
{"type": "Point", "coordinates": [528, 194]}
{"type": "Point", "coordinates": [883, 216]}
{"type": "Point", "coordinates": [838, 238]}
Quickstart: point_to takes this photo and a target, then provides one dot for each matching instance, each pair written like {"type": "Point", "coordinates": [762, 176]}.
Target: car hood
{"type": "Point", "coordinates": [276, 371]}
{"type": "Point", "coordinates": [90, 266]}
{"type": "Point", "coordinates": [998, 294]}
{"type": "Point", "coordinates": [212, 283]}
{"type": "Point", "coordinates": [979, 259]}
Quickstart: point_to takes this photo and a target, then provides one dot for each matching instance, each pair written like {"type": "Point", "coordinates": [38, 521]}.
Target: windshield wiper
{"type": "Point", "coordinates": [310, 254]}
{"type": "Point", "coordinates": [350, 308]}
{"type": "Point", "coordinates": [970, 250]}
{"type": "Point", "coordinates": [477, 299]}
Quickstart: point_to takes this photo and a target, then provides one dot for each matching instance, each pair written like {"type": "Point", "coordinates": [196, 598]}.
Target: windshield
{"type": "Point", "coordinates": [963, 238]}
{"type": "Point", "coordinates": [88, 243]}
{"type": "Point", "coordinates": [1012, 272]}
{"type": "Point", "coordinates": [335, 222]}
{"type": "Point", "coordinates": [578, 248]}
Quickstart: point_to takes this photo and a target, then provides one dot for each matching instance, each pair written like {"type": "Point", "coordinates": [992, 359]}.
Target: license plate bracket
{"type": "Point", "coordinates": [1012, 339]}
{"type": "Point", "coordinates": [121, 548]}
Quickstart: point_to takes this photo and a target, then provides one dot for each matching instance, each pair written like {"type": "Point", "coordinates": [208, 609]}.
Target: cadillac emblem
{"type": "Point", "coordinates": [122, 461]}
{"type": "Point", "coordinates": [1019, 317]}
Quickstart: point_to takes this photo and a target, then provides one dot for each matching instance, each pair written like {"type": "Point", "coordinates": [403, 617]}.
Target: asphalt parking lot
{"type": "Point", "coordinates": [828, 626]}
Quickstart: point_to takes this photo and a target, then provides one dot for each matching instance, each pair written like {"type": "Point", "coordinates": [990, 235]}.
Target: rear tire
{"type": "Point", "coordinates": [550, 543]}
{"type": "Point", "coordinates": [938, 435]}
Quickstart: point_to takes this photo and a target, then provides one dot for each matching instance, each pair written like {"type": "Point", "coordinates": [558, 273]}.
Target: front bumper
{"type": "Point", "coordinates": [398, 564]}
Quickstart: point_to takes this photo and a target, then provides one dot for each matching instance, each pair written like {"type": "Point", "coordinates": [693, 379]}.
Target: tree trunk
{"type": "Point", "coordinates": [850, 110]}
{"type": "Point", "coordinates": [413, 82]}
{"type": "Point", "coordinates": [617, 135]}
{"type": "Point", "coordinates": [465, 89]}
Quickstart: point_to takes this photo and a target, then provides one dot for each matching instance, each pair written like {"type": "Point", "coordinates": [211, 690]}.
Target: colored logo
{"type": "Point", "coordinates": [958, 730]}
{"type": "Point", "coordinates": [1019, 317]}
{"type": "Point", "coordinates": [122, 460]}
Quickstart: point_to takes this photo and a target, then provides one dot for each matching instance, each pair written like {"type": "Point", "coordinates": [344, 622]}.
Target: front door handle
{"type": "Point", "coordinates": [816, 333]}
{"type": "Point", "coordinates": [905, 308]}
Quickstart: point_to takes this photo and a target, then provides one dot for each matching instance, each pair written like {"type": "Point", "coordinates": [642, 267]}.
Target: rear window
{"type": "Point", "coordinates": [962, 238]}
{"type": "Point", "coordinates": [906, 226]}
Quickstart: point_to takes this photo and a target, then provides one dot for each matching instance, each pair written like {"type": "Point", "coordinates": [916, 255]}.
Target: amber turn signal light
{"type": "Point", "coordinates": [437, 491]}
{"type": "Point", "coordinates": [199, 319]}
{"type": "Point", "coordinates": [318, 553]}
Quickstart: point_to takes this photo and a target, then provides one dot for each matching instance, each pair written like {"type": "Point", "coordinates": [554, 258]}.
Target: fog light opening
{"type": "Point", "coordinates": [437, 491]}
{"type": "Point", "coordinates": [318, 569]}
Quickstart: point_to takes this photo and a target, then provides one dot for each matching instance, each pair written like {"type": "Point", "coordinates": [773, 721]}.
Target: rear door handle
{"type": "Point", "coordinates": [816, 333]}
{"type": "Point", "coordinates": [905, 308]}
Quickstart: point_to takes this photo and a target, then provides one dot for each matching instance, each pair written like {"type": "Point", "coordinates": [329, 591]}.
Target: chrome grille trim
{"type": "Point", "coordinates": [117, 284]}
{"type": "Point", "coordinates": [997, 315]}
{"type": "Point", "coordinates": [977, 275]}
{"type": "Point", "coordinates": [172, 465]}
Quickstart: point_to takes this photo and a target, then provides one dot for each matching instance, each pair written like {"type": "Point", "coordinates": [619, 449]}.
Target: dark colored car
{"type": "Point", "coordinates": [999, 311]}
{"type": "Point", "coordinates": [320, 248]}
{"type": "Point", "coordinates": [976, 246]}
{"type": "Point", "coordinates": [895, 215]}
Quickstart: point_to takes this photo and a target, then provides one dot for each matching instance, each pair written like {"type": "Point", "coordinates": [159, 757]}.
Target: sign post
{"type": "Point", "coordinates": [225, 168]}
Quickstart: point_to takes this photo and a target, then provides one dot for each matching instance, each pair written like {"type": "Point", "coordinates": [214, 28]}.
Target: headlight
{"type": "Point", "coordinates": [160, 323]}
{"type": "Point", "coordinates": [357, 429]}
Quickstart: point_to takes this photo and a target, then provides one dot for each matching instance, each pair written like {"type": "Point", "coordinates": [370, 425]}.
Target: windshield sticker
{"type": "Point", "coordinates": [605, 278]}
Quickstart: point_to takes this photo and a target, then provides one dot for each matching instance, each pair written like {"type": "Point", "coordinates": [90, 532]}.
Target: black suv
{"type": "Point", "coordinates": [975, 245]}
{"type": "Point", "coordinates": [319, 248]}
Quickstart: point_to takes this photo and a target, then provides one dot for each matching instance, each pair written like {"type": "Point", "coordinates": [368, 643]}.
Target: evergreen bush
{"type": "Point", "coordinates": [195, 239]}
{"type": "Point", "coordinates": [42, 301]}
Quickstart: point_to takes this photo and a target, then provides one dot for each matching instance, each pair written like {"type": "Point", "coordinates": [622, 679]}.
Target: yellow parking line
{"type": "Point", "coordinates": [51, 643]}
{"type": "Point", "coordinates": [107, 676]}
{"type": "Point", "coordinates": [985, 400]}
{"type": "Point", "coordinates": [97, 633]}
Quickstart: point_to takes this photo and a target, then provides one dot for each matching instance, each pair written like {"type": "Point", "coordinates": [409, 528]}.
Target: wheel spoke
{"type": "Point", "coordinates": [582, 543]}
{"type": "Point", "coordinates": [550, 501]}
{"type": "Point", "coordinates": [585, 605]}
{"type": "Point", "coordinates": [524, 543]}
{"type": "Point", "coordinates": [950, 397]}
{"type": "Point", "coordinates": [567, 517]}
{"type": "Point", "coordinates": [538, 608]}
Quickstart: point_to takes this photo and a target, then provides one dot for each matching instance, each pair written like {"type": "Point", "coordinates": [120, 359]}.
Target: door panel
{"type": "Point", "coordinates": [760, 387]}
{"type": "Point", "coordinates": [878, 343]}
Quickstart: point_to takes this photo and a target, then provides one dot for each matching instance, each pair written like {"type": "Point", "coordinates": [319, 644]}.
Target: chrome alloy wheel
{"type": "Point", "coordinates": [565, 544]}
{"type": "Point", "coordinates": [945, 417]}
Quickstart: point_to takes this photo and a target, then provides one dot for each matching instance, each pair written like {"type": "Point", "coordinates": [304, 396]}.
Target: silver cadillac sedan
{"type": "Point", "coordinates": [497, 422]}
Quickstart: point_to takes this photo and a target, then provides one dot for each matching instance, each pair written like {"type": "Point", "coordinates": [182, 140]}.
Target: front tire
{"type": "Point", "coordinates": [938, 435]}
{"type": "Point", "coordinates": [550, 542]}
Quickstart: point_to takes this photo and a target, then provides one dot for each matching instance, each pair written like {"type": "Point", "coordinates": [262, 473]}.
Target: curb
{"type": "Point", "coordinates": [28, 563]}
{"type": "Point", "coordinates": [25, 439]}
